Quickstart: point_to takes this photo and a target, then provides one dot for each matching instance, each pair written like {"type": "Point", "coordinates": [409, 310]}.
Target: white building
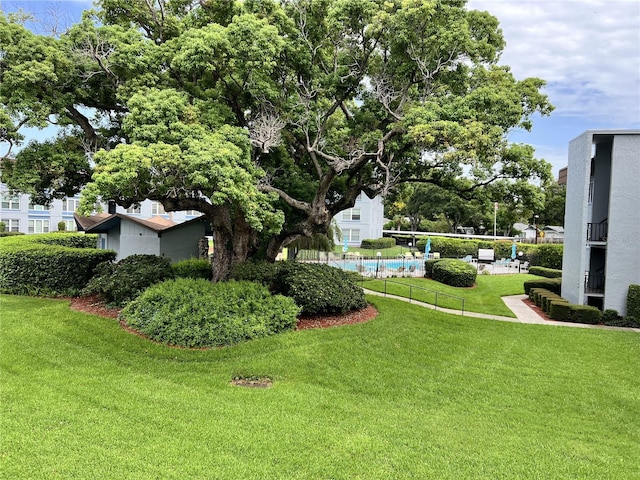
{"type": "Point", "coordinates": [602, 219]}
{"type": "Point", "coordinates": [363, 221]}
{"type": "Point", "coordinates": [20, 215]}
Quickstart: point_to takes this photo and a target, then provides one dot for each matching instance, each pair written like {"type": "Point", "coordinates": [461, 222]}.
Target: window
{"type": "Point", "coordinates": [353, 214]}
{"type": "Point", "coordinates": [10, 202]}
{"type": "Point", "coordinates": [40, 208]}
{"type": "Point", "coordinates": [70, 225]}
{"type": "Point", "coordinates": [38, 226]}
{"type": "Point", "coordinates": [11, 225]}
{"type": "Point", "coordinates": [352, 235]}
{"type": "Point", "coordinates": [157, 209]}
{"type": "Point", "coordinates": [590, 199]}
{"type": "Point", "coordinates": [192, 213]}
{"type": "Point", "coordinates": [70, 204]}
{"type": "Point", "coordinates": [133, 209]}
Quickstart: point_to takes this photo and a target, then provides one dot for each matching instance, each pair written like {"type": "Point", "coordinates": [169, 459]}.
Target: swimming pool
{"type": "Point", "coordinates": [387, 265]}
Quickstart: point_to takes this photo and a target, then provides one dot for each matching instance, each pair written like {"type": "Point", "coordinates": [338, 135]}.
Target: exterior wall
{"type": "Point", "coordinates": [575, 218]}
{"type": "Point", "coordinates": [56, 213]}
{"type": "Point", "coordinates": [615, 197]}
{"type": "Point", "coordinates": [370, 223]}
{"type": "Point", "coordinates": [623, 242]}
{"type": "Point", "coordinates": [134, 239]}
{"type": "Point", "coordinates": [182, 243]}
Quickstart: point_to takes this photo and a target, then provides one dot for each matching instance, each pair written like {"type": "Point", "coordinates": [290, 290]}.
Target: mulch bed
{"type": "Point", "coordinates": [537, 309]}
{"type": "Point", "coordinates": [94, 305]}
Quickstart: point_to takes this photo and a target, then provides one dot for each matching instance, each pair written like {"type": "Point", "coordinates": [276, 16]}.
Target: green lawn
{"type": "Point", "coordinates": [485, 297]}
{"type": "Point", "coordinates": [412, 394]}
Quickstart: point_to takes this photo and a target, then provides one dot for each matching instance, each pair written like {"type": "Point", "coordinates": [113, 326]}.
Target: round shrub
{"type": "Point", "coordinates": [192, 268]}
{"type": "Point", "coordinates": [428, 266]}
{"type": "Point", "coordinates": [318, 288]}
{"type": "Point", "coordinates": [255, 271]}
{"type": "Point", "coordinates": [196, 313]}
{"type": "Point", "coordinates": [119, 283]}
{"type": "Point", "coordinates": [455, 273]}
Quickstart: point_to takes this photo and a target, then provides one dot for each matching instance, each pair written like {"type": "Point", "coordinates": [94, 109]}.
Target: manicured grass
{"type": "Point", "coordinates": [412, 394]}
{"type": "Point", "coordinates": [485, 297]}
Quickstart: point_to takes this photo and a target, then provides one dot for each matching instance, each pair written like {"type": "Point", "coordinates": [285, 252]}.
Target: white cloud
{"type": "Point", "coordinates": [587, 50]}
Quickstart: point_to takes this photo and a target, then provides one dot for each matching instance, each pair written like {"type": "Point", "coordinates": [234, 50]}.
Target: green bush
{"type": "Point", "coordinates": [552, 284]}
{"type": "Point", "coordinates": [197, 313]}
{"type": "Point", "coordinates": [560, 311]}
{"type": "Point", "coordinates": [192, 268]}
{"type": "Point", "coordinates": [10, 234]}
{"type": "Point", "coordinates": [545, 272]}
{"type": "Point", "coordinates": [567, 312]}
{"type": "Point", "coordinates": [428, 266]}
{"type": "Point", "coordinates": [256, 271]}
{"type": "Point", "coordinates": [318, 288]}
{"type": "Point", "coordinates": [119, 283]}
{"type": "Point", "coordinates": [378, 243]}
{"type": "Point", "coordinates": [611, 317]}
{"type": "Point", "coordinates": [49, 264]}
{"type": "Point", "coordinates": [455, 273]}
{"type": "Point", "coordinates": [449, 247]}
{"type": "Point", "coordinates": [548, 255]}
{"type": "Point", "coordinates": [633, 306]}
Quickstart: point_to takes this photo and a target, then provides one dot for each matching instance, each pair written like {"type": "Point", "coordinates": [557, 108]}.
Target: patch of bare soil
{"type": "Point", "coordinates": [252, 382]}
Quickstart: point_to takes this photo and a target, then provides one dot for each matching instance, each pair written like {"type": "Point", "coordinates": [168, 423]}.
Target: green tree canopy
{"type": "Point", "coordinates": [260, 106]}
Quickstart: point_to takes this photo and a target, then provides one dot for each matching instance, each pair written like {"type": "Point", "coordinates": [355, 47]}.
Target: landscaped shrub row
{"type": "Point", "coordinates": [545, 272]}
{"type": "Point", "coordinates": [560, 309]}
{"type": "Point", "coordinates": [198, 313]}
{"type": "Point", "coordinates": [552, 284]}
{"type": "Point", "coordinates": [51, 264]}
{"type": "Point", "coordinates": [119, 283]}
{"type": "Point", "coordinates": [316, 288]}
{"type": "Point", "coordinates": [454, 272]}
{"type": "Point", "coordinates": [546, 255]}
{"type": "Point", "coordinates": [378, 243]}
{"type": "Point", "coordinates": [567, 312]}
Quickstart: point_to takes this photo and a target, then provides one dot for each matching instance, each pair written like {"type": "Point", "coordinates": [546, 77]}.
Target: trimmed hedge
{"type": "Point", "coordinates": [545, 272]}
{"type": "Point", "coordinates": [454, 272]}
{"type": "Point", "coordinates": [197, 313]}
{"type": "Point", "coordinates": [192, 268]}
{"type": "Point", "coordinates": [378, 243]}
{"type": "Point", "coordinates": [49, 264]}
{"type": "Point", "coordinates": [567, 312]}
{"type": "Point", "coordinates": [552, 284]}
{"type": "Point", "coordinates": [119, 283]}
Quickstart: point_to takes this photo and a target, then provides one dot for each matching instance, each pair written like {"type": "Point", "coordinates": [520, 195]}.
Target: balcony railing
{"type": "Point", "coordinates": [597, 232]}
{"type": "Point", "coordinates": [594, 282]}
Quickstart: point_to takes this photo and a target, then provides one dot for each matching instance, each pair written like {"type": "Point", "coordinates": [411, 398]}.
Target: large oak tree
{"type": "Point", "coordinates": [270, 117]}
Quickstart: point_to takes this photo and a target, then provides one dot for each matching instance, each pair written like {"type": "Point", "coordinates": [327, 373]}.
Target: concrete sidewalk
{"type": "Point", "coordinates": [524, 313]}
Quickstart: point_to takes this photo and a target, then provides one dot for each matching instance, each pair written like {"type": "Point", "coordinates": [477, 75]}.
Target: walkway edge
{"type": "Point", "coordinates": [523, 312]}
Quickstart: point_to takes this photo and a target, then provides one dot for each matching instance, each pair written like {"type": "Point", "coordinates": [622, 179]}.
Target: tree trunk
{"type": "Point", "coordinates": [233, 242]}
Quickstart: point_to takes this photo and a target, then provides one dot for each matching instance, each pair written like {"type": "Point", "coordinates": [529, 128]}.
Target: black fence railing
{"type": "Point", "coordinates": [597, 232]}
{"type": "Point", "coordinates": [594, 282]}
{"type": "Point", "coordinates": [421, 294]}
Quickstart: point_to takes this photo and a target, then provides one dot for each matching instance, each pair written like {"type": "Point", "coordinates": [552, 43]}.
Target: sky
{"type": "Point", "coordinates": [588, 52]}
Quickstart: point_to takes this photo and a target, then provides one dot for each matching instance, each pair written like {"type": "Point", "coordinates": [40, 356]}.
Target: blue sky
{"type": "Point", "coordinates": [588, 51]}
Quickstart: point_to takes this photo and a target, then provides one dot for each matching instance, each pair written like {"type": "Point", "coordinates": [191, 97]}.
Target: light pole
{"type": "Point", "coordinates": [520, 260]}
{"type": "Point", "coordinates": [379, 254]}
{"type": "Point", "coordinates": [535, 229]}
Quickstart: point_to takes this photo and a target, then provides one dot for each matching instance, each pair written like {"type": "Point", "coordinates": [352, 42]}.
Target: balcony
{"type": "Point", "coordinates": [597, 232]}
{"type": "Point", "coordinates": [594, 282]}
